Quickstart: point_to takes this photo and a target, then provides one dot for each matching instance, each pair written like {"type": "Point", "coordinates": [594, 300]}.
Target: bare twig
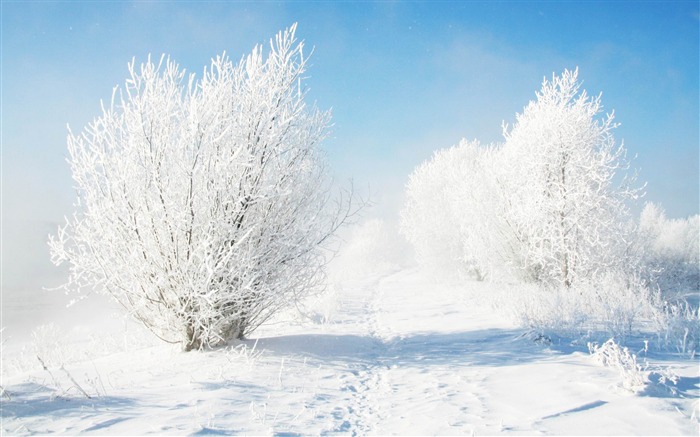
{"type": "Point", "coordinates": [57, 384]}
{"type": "Point", "coordinates": [55, 381]}
{"type": "Point", "coordinates": [75, 383]}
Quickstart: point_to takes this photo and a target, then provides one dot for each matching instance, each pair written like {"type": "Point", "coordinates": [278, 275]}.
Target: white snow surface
{"type": "Point", "coordinates": [396, 355]}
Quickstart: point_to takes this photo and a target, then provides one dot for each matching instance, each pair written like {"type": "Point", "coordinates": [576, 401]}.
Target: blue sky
{"type": "Point", "coordinates": [403, 79]}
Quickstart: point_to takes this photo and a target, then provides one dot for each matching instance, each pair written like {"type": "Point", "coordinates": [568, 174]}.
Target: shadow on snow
{"type": "Point", "coordinates": [488, 347]}
{"type": "Point", "coordinates": [32, 399]}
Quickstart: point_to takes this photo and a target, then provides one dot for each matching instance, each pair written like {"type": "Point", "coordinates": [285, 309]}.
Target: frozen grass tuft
{"type": "Point", "coordinates": [635, 377]}
{"type": "Point", "coordinates": [678, 327]}
{"type": "Point", "coordinates": [613, 305]}
{"type": "Point", "coordinates": [57, 346]}
{"type": "Point", "coordinates": [610, 354]}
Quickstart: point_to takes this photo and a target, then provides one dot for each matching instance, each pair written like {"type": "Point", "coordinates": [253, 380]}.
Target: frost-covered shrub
{"type": "Point", "coordinates": [202, 204]}
{"type": "Point", "coordinates": [670, 258]}
{"type": "Point", "coordinates": [446, 210]}
{"type": "Point", "coordinates": [670, 249]}
{"type": "Point", "coordinates": [616, 305]}
{"type": "Point", "coordinates": [611, 305]}
{"type": "Point", "coordinates": [49, 342]}
{"type": "Point", "coordinates": [678, 327]}
{"type": "Point", "coordinates": [635, 377]}
{"type": "Point", "coordinates": [547, 311]}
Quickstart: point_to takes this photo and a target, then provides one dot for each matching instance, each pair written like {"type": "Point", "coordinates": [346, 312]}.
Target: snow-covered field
{"type": "Point", "coordinates": [398, 354]}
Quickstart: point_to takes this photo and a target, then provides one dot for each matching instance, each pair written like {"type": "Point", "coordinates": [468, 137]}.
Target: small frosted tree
{"type": "Point", "coordinates": [446, 211]}
{"type": "Point", "coordinates": [566, 207]}
{"type": "Point", "coordinates": [670, 249]}
{"type": "Point", "coordinates": [202, 205]}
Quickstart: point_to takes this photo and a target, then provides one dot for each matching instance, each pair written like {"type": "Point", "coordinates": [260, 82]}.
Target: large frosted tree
{"type": "Point", "coordinates": [560, 178]}
{"type": "Point", "coordinates": [202, 204]}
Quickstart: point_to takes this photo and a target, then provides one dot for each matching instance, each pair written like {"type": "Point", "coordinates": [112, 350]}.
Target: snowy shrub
{"type": "Point", "coordinates": [670, 249]}
{"type": "Point", "coordinates": [447, 212]}
{"type": "Point", "coordinates": [611, 305]}
{"type": "Point", "coordinates": [49, 342]}
{"type": "Point", "coordinates": [548, 311]}
{"type": "Point", "coordinates": [622, 303]}
{"type": "Point", "coordinates": [610, 354]}
{"type": "Point", "coordinates": [670, 256]}
{"type": "Point", "coordinates": [202, 204]}
{"type": "Point", "coordinates": [429, 220]}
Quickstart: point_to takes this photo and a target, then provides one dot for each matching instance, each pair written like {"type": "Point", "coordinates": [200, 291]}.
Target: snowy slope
{"type": "Point", "coordinates": [397, 355]}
